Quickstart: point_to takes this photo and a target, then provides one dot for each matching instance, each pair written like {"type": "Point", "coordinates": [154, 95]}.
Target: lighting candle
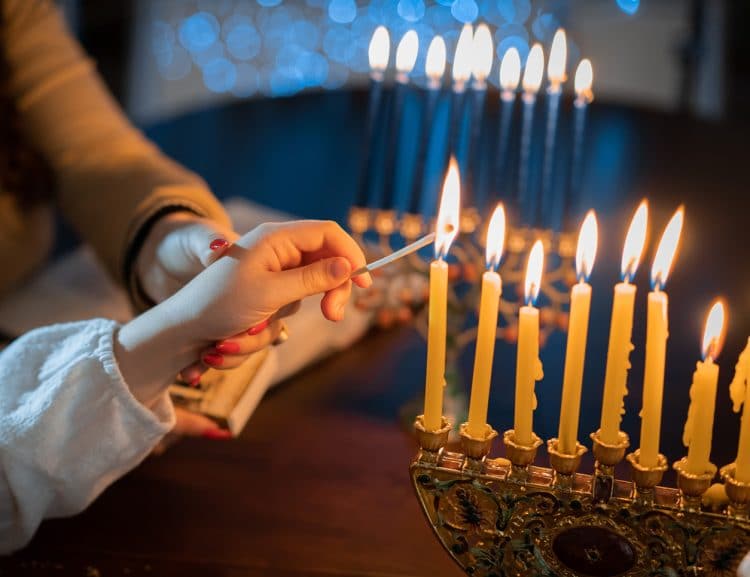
{"type": "Point", "coordinates": [461, 74]}
{"type": "Point", "coordinates": [378, 53]}
{"type": "Point", "coordinates": [583, 80]}
{"type": "Point", "coordinates": [482, 55]}
{"type": "Point", "coordinates": [578, 328]}
{"type": "Point", "coordinates": [700, 421]}
{"type": "Point", "coordinates": [739, 390]}
{"type": "Point", "coordinates": [532, 80]}
{"type": "Point", "coordinates": [406, 57]}
{"type": "Point", "coordinates": [510, 76]}
{"type": "Point", "coordinates": [556, 73]}
{"type": "Point", "coordinates": [492, 288]}
{"type": "Point", "coordinates": [446, 230]}
{"type": "Point", "coordinates": [434, 69]}
{"type": "Point", "coordinates": [657, 331]}
{"type": "Point", "coordinates": [528, 364]}
{"type": "Point", "coordinates": [621, 329]}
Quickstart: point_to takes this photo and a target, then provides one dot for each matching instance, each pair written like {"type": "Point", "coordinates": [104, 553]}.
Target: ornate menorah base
{"type": "Point", "coordinates": [494, 525]}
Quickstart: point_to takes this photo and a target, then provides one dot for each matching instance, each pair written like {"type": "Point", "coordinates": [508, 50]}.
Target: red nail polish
{"type": "Point", "coordinates": [218, 244]}
{"type": "Point", "coordinates": [195, 381]}
{"type": "Point", "coordinates": [216, 434]}
{"type": "Point", "coordinates": [252, 331]}
{"type": "Point", "coordinates": [213, 359]}
{"type": "Point", "coordinates": [228, 347]}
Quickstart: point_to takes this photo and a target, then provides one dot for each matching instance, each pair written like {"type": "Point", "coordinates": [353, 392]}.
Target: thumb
{"type": "Point", "coordinates": [319, 277]}
{"type": "Point", "coordinates": [209, 240]}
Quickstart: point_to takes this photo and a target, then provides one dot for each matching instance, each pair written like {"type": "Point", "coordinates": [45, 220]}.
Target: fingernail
{"type": "Point", "coordinates": [213, 359]}
{"type": "Point", "coordinates": [252, 331]}
{"type": "Point", "coordinates": [195, 381]}
{"type": "Point", "coordinates": [228, 347]}
{"type": "Point", "coordinates": [339, 268]}
{"type": "Point", "coordinates": [218, 244]}
{"type": "Point", "coordinates": [216, 434]}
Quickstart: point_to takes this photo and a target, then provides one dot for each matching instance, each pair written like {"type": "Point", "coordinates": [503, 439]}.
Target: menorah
{"type": "Point", "coordinates": [506, 516]}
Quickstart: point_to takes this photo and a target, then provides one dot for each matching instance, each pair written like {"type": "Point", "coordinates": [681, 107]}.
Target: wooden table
{"type": "Point", "coordinates": [318, 483]}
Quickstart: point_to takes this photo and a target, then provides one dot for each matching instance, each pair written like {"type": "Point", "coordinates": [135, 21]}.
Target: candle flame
{"type": "Point", "coordinates": [510, 69]}
{"type": "Point", "coordinates": [634, 242]}
{"type": "Point", "coordinates": [588, 239]}
{"type": "Point", "coordinates": [446, 228]}
{"type": "Point", "coordinates": [713, 334]}
{"type": "Point", "coordinates": [495, 238]}
{"type": "Point", "coordinates": [482, 49]}
{"type": "Point", "coordinates": [532, 74]}
{"type": "Point", "coordinates": [380, 49]}
{"type": "Point", "coordinates": [434, 66]}
{"type": "Point", "coordinates": [462, 59]}
{"type": "Point", "coordinates": [406, 52]}
{"type": "Point", "coordinates": [666, 251]}
{"type": "Point", "coordinates": [558, 57]}
{"type": "Point", "coordinates": [534, 273]}
{"type": "Point", "coordinates": [584, 79]}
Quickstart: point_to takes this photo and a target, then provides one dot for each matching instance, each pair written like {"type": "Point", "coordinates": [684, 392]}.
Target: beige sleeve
{"type": "Point", "coordinates": [110, 179]}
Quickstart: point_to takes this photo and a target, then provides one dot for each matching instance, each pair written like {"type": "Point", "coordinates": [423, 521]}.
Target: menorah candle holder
{"type": "Point", "coordinates": [692, 485]}
{"type": "Point", "coordinates": [520, 456]}
{"type": "Point", "coordinates": [645, 479]}
{"type": "Point", "coordinates": [493, 523]}
{"type": "Point", "coordinates": [564, 465]}
{"type": "Point", "coordinates": [476, 449]}
{"type": "Point", "coordinates": [737, 491]}
{"type": "Point", "coordinates": [607, 456]}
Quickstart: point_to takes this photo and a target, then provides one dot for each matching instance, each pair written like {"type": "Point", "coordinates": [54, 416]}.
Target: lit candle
{"type": "Point", "coordinates": [657, 331]}
{"type": "Point", "coordinates": [446, 230]}
{"type": "Point", "coordinates": [528, 364]}
{"type": "Point", "coordinates": [578, 328]}
{"type": "Point", "coordinates": [621, 329]}
{"type": "Point", "coordinates": [739, 390]}
{"type": "Point", "coordinates": [556, 74]}
{"type": "Point", "coordinates": [583, 81]}
{"type": "Point", "coordinates": [461, 74]}
{"type": "Point", "coordinates": [378, 53]}
{"type": "Point", "coordinates": [700, 420]}
{"type": "Point", "coordinates": [532, 80]}
{"type": "Point", "coordinates": [482, 55]}
{"type": "Point", "coordinates": [434, 69]}
{"type": "Point", "coordinates": [406, 57]}
{"type": "Point", "coordinates": [492, 289]}
{"type": "Point", "coordinates": [510, 76]}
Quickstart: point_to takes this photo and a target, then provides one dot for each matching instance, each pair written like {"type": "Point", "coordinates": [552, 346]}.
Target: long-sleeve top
{"type": "Point", "coordinates": [69, 425]}
{"type": "Point", "coordinates": [109, 179]}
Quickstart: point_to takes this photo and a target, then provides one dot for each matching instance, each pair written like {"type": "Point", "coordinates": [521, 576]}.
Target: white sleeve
{"type": "Point", "coordinates": [69, 425]}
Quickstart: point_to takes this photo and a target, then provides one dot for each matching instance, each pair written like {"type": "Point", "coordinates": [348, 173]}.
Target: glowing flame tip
{"type": "Point", "coordinates": [510, 69]}
{"type": "Point", "coordinates": [558, 57]}
{"type": "Point", "coordinates": [634, 242]}
{"type": "Point", "coordinates": [588, 239]}
{"type": "Point", "coordinates": [666, 250]}
{"type": "Point", "coordinates": [435, 64]}
{"type": "Point", "coordinates": [495, 238]}
{"type": "Point", "coordinates": [534, 273]}
{"type": "Point", "coordinates": [379, 50]}
{"type": "Point", "coordinates": [713, 334]}
{"type": "Point", "coordinates": [482, 49]}
{"type": "Point", "coordinates": [532, 74]}
{"type": "Point", "coordinates": [446, 228]}
{"type": "Point", "coordinates": [406, 52]}
{"type": "Point", "coordinates": [462, 58]}
{"type": "Point", "coordinates": [584, 79]}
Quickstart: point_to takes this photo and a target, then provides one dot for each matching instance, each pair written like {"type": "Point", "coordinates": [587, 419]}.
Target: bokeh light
{"type": "Point", "coordinates": [629, 6]}
{"type": "Point", "coordinates": [199, 31]}
{"type": "Point", "coordinates": [219, 75]}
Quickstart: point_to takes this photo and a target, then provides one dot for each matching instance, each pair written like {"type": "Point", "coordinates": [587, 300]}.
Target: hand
{"type": "Point", "coordinates": [269, 268]}
{"type": "Point", "coordinates": [178, 247]}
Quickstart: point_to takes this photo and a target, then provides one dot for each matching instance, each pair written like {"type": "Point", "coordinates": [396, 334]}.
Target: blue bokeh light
{"type": "Point", "coordinates": [544, 27]}
{"type": "Point", "coordinates": [465, 11]}
{"type": "Point", "coordinates": [338, 44]}
{"type": "Point", "coordinates": [518, 42]}
{"type": "Point", "coordinates": [199, 31]}
{"type": "Point", "coordinates": [514, 11]}
{"type": "Point", "coordinates": [248, 80]}
{"type": "Point", "coordinates": [269, 3]}
{"type": "Point", "coordinates": [213, 52]}
{"type": "Point", "coordinates": [219, 75]}
{"type": "Point", "coordinates": [243, 41]}
{"type": "Point", "coordinates": [342, 11]}
{"type": "Point", "coordinates": [305, 34]}
{"type": "Point", "coordinates": [411, 10]}
{"type": "Point", "coordinates": [630, 7]}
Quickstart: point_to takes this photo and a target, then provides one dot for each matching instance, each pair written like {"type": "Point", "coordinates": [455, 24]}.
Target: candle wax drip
{"type": "Point", "coordinates": [538, 376]}
{"type": "Point", "coordinates": [739, 384]}
{"type": "Point", "coordinates": [687, 433]}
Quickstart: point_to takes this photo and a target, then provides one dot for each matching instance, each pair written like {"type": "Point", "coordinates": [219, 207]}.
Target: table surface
{"type": "Point", "coordinates": [318, 483]}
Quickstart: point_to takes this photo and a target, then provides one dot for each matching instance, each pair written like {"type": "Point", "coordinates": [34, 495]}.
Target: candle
{"type": "Point", "coordinates": [578, 327]}
{"type": "Point", "coordinates": [657, 331]}
{"type": "Point", "coordinates": [492, 288]}
{"type": "Point", "coordinates": [700, 421]}
{"type": "Point", "coordinates": [510, 76]}
{"type": "Point", "coordinates": [556, 74]}
{"type": "Point", "coordinates": [406, 57]}
{"type": "Point", "coordinates": [583, 81]}
{"type": "Point", "coordinates": [378, 53]}
{"type": "Point", "coordinates": [461, 74]}
{"type": "Point", "coordinates": [740, 393]}
{"type": "Point", "coordinates": [528, 365]}
{"type": "Point", "coordinates": [620, 330]}
{"type": "Point", "coordinates": [434, 69]}
{"type": "Point", "coordinates": [532, 80]}
{"type": "Point", "coordinates": [482, 54]}
{"type": "Point", "coordinates": [446, 230]}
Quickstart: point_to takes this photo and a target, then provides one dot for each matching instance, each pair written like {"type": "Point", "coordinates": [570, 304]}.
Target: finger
{"type": "Point", "coordinates": [318, 277]}
{"type": "Point", "coordinates": [317, 239]}
{"type": "Point", "coordinates": [192, 373]}
{"type": "Point", "coordinates": [210, 240]}
{"type": "Point", "coordinates": [244, 343]}
{"type": "Point", "coordinates": [194, 425]}
{"type": "Point", "coordinates": [333, 304]}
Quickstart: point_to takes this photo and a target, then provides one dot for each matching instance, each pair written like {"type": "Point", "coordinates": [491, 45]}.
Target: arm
{"type": "Point", "coordinates": [111, 180]}
{"type": "Point", "coordinates": [69, 424]}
